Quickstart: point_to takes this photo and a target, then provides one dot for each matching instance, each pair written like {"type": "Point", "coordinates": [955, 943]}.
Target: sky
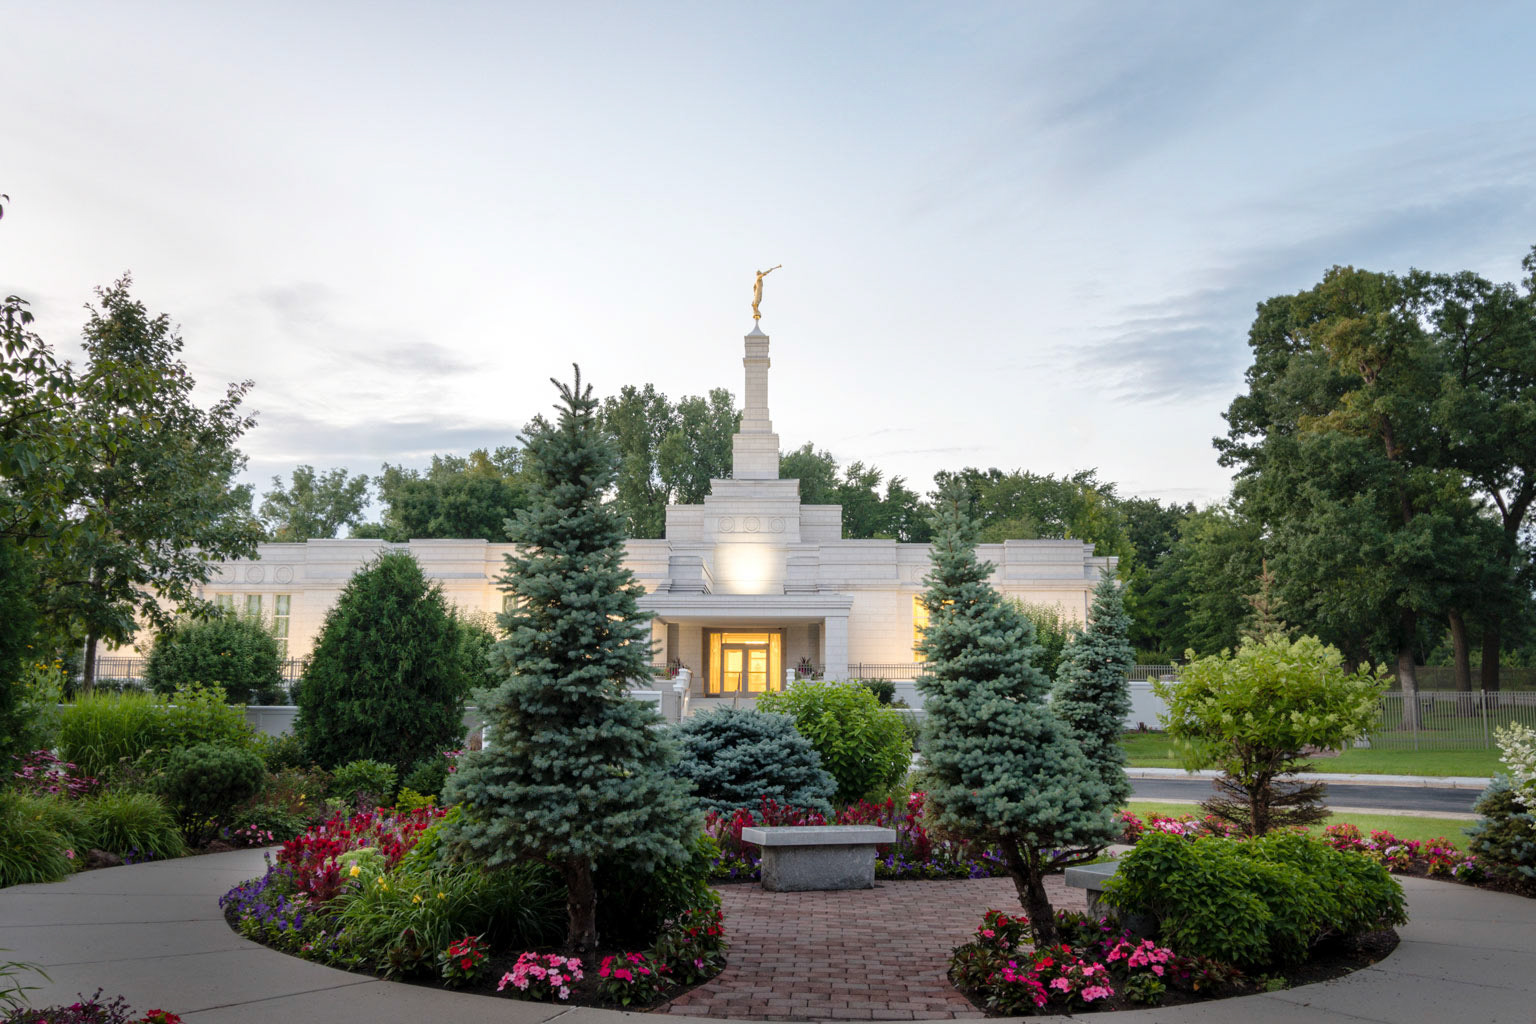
{"type": "Point", "coordinates": [1022, 235]}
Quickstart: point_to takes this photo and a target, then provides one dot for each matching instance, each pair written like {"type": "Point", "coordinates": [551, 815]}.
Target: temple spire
{"type": "Point", "coordinates": [755, 448]}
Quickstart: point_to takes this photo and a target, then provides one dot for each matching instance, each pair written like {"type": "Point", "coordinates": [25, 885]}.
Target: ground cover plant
{"type": "Point", "coordinates": [90, 1009]}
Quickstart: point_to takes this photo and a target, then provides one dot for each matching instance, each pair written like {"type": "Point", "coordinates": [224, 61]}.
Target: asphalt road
{"type": "Point", "coordinates": [1384, 798]}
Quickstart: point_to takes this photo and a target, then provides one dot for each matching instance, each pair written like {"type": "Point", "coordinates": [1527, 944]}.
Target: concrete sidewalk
{"type": "Point", "coordinates": [1427, 781]}
{"type": "Point", "coordinates": [154, 934]}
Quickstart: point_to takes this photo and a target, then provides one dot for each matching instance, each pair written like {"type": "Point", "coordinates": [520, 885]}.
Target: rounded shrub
{"type": "Point", "coordinates": [364, 780]}
{"type": "Point", "coordinates": [389, 673]}
{"type": "Point", "coordinates": [428, 776]}
{"type": "Point", "coordinates": [862, 743]}
{"type": "Point", "coordinates": [206, 783]}
{"type": "Point", "coordinates": [1256, 902]}
{"type": "Point", "coordinates": [236, 652]}
{"type": "Point", "coordinates": [737, 758]}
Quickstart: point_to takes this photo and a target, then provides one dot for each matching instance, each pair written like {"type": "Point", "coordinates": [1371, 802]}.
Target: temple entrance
{"type": "Point", "coordinates": [745, 663]}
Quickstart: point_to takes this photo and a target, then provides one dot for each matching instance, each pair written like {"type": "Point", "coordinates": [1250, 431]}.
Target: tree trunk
{"type": "Point", "coordinates": [88, 671]}
{"type": "Point", "coordinates": [1491, 645]}
{"type": "Point", "coordinates": [1463, 654]}
{"type": "Point", "coordinates": [1408, 679]}
{"type": "Point", "coordinates": [1028, 879]}
{"type": "Point", "coordinates": [580, 905]}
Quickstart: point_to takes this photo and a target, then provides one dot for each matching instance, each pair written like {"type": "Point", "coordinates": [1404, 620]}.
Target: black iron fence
{"type": "Point", "coordinates": [133, 668]}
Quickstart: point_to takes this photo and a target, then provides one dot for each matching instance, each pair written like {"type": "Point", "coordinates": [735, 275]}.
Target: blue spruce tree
{"type": "Point", "coordinates": [575, 771]}
{"type": "Point", "coordinates": [999, 766]}
{"type": "Point", "coordinates": [1092, 694]}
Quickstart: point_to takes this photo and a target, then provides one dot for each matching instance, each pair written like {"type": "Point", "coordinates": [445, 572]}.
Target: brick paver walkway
{"type": "Point", "coordinates": [869, 954]}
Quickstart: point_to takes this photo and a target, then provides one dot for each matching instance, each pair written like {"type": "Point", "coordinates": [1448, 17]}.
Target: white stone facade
{"type": "Point", "coordinates": [750, 566]}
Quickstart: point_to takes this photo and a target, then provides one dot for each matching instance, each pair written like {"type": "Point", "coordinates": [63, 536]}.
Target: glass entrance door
{"type": "Point", "coordinates": [744, 663]}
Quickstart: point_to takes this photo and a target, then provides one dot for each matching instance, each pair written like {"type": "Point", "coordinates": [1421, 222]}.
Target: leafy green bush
{"type": "Point", "coordinates": [268, 818]}
{"type": "Point", "coordinates": [863, 745]}
{"type": "Point", "coordinates": [1054, 630]}
{"type": "Point", "coordinates": [30, 849]}
{"type": "Point", "coordinates": [364, 780]}
{"type": "Point", "coordinates": [736, 758]}
{"type": "Point", "coordinates": [409, 800]}
{"type": "Point", "coordinates": [1257, 902]}
{"type": "Point", "coordinates": [401, 921]}
{"type": "Point", "coordinates": [99, 732]}
{"type": "Point", "coordinates": [236, 652]}
{"type": "Point", "coordinates": [132, 823]}
{"type": "Point", "coordinates": [389, 676]}
{"type": "Point", "coordinates": [282, 753]}
{"type": "Point", "coordinates": [428, 776]}
{"type": "Point", "coordinates": [883, 689]}
{"type": "Point", "coordinates": [633, 904]}
{"type": "Point", "coordinates": [206, 782]}
{"type": "Point", "coordinates": [1505, 838]}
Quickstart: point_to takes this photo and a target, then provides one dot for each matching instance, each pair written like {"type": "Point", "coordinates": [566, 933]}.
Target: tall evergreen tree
{"type": "Point", "coordinates": [575, 772]}
{"type": "Point", "coordinates": [999, 765]}
{"type": "Point", "coordinates": [1092, 694]}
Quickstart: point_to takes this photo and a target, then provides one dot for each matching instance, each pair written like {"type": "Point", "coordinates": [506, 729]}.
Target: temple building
{"type": "Point", "coordinates": [745, 589]}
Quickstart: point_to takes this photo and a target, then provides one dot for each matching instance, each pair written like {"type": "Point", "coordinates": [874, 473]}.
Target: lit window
{"type": "Point", "coordinates": [919, 623]}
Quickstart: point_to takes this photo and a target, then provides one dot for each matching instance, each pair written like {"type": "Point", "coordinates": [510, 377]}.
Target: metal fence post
{"type": "Point", "coordinates": [1483, 702]}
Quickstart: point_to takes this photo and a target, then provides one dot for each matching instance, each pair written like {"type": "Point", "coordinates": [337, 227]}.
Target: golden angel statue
{"type": "Point", "coordinates": [757, 290]}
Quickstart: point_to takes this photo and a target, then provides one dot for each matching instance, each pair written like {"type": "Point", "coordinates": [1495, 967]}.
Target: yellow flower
{"type": "Point", "coordinates": [355, 871]}
{"type": "Point", "coordinates": [416, 898]}
{"type": "Point", "coordinates": [441, 896]}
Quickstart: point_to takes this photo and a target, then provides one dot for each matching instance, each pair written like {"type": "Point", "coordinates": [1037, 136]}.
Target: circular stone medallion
{"type": "Point", "coordinates": [283, 574]}
{"type": "Point", "coordinates": [727, 524]}
{"type": "Point", "coordinates": [255, 574]}
{"type": "Point", "coordinates": [751, 524]}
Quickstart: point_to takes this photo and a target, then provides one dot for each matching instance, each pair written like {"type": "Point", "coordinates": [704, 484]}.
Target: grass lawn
{"type": "Point", "coordinates": [1399, 825]}
{"type": "Point", "coordinates": [1155, 750]}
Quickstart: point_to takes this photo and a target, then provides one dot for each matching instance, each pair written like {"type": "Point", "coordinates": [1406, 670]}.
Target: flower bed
{"type": "Point", "coordinates": [1097, 966]}
{"type": "Point", "coordinates": [374, 893]}
{"type": "Point", "coordinates": [914, 854]}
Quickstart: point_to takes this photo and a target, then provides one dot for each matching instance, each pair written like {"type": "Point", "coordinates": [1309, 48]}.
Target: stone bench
{"type": "Point", "coordinates": [802, 858]}
{"type": "Point", "coordinates": [1090, 878]}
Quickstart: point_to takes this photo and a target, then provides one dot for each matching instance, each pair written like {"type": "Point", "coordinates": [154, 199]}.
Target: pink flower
{"type": "Point", "coordinates": [70, 854]}
{"type": "Point", "coordinates": [1061, 984]}
{"type": "Point", "coordinates": [1093, 992]}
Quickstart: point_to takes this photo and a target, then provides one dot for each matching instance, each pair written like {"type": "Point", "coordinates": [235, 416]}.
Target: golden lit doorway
{"type": "Point", "coordinates": [745, 663]}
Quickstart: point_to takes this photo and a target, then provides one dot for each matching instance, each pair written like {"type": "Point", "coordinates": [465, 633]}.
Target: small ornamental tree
{"type": "Point", "coordinates": [1255, 714]}
{"type": "Point", "coordinates": [387, 680]}
{"type": "Point", "coordinates": [863, 744]}
{"type": "Point", "coordinates": [999, 766]}
{"type": "Point", "coordinates": [1092, 693]}
{"type": "Point", "coordinates": [575, 770]}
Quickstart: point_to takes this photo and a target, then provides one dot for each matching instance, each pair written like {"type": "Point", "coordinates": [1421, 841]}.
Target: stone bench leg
{"type": "Point", "coordinates": [808, 868]}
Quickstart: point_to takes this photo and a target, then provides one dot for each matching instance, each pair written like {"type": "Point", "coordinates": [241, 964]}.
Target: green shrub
{"type": "Point", "coordinates": [357, 781]}
{"type": "Point", "coordinates": [1257, 902]}
{"type": "Point", "coordinates": [99, 732]}
{"type": "Point", "coordinates": [409, 800]}
{"type": "Point", "coordinates": [389, 676]}
{"type": "Point", "coordinates": [1054, 630]}
{"type": "Point", "coordinates": [30, 849]}
{"type": "Point", "coordinates": [429, 776]}
{"type": "Point", "coordinates": [132, 823]}
{"type": "Point", "coordinates": [883, 689]}
{"type": "Point", "coordinates": [236, 652]}
{"type": "Point", "coordinates": [266, 818]}
{"type": "Point", "coordinates": [736, 758]}
{"type": "Point", "coordinates": [282, 753]}
{"type": "Point", "coordinates": [1505, 838]}
{"type": "Point", "coordinates": [863, 745]}
{"type": "Point", "coordinates": [401, 925]}
{"type": "Point", "coordinates": [633, 904]}
{"type": "Point", "coordinates": [206, 783]}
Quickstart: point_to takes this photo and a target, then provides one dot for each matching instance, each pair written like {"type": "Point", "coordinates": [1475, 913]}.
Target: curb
{"type": "Point", "coordinates": [1401, 781]}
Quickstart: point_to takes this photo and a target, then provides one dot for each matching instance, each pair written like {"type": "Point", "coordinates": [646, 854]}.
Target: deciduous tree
{"type": "Point", "coordinates": [313, 506]}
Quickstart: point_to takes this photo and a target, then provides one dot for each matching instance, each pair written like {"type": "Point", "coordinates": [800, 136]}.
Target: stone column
{"type": "Point", "coordinates": [834, 639]}
{"type": "Point", "coordinates": [755, 448]}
